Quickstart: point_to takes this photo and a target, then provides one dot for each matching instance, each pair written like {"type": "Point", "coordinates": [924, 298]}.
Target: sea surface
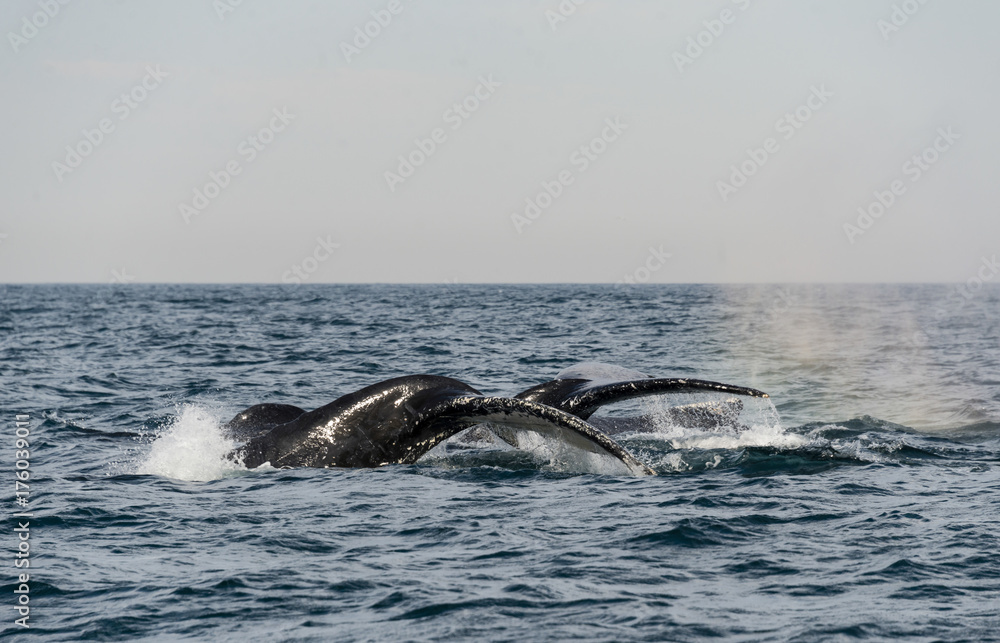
{"type": "Point", "coordinates": [863, 504]}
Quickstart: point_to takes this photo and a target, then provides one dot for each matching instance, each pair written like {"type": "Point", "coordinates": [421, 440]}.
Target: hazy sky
{"type": "Point", "coordinates": [644, 126]}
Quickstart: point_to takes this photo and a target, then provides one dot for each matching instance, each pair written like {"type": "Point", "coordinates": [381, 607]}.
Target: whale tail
{"type": "Point", "coordinates": [400, 420]}
{"type": "Point", "coordinates": [582, 389]}
{"type": "Point", "coordinates": [526, 425]}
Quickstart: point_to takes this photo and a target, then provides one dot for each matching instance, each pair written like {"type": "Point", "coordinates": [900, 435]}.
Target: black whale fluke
{"type": "Point", "coordinates": [584, 388]}
{"type": "Point", "coordinates": [399, 420]}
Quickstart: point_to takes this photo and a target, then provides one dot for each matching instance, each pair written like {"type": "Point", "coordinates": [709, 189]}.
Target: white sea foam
{"type": "Point", "coordinates": [193, 447]}
{"type": "Point", "coordinates": [755, 436]}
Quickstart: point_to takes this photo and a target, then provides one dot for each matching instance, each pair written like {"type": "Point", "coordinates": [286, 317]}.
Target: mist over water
{"type": "Point", "coordinates": [860, 501]}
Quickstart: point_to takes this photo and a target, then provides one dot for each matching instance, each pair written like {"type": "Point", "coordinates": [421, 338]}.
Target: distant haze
{"type": "Point", "coordinates": [502, 141]}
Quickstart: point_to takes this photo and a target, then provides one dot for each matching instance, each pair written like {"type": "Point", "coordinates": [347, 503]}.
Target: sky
{"type": "Point", "coordinates": [448, 141]}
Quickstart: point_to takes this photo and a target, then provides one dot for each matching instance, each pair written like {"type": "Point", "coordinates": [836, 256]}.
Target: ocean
{"type": "Point", "coordinates": [861, 503]}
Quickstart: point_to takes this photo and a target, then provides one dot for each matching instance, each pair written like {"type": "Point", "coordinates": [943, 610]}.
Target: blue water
{"type": "Point", "coordinates": [864, 505]}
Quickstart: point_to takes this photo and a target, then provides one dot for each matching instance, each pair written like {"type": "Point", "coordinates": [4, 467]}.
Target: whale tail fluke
{"type": "Point", "coordinates": [583, 389]}
{"type": "Point", "coordinates": [528, 425]}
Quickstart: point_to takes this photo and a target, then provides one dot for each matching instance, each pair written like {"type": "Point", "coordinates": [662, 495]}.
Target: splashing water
{"type": "Point", "coordinates": [192, 448]}
{"type": "Point", "coordinates": [759, 416]}
{"type": "Point", "coordinates": [669, 442]}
